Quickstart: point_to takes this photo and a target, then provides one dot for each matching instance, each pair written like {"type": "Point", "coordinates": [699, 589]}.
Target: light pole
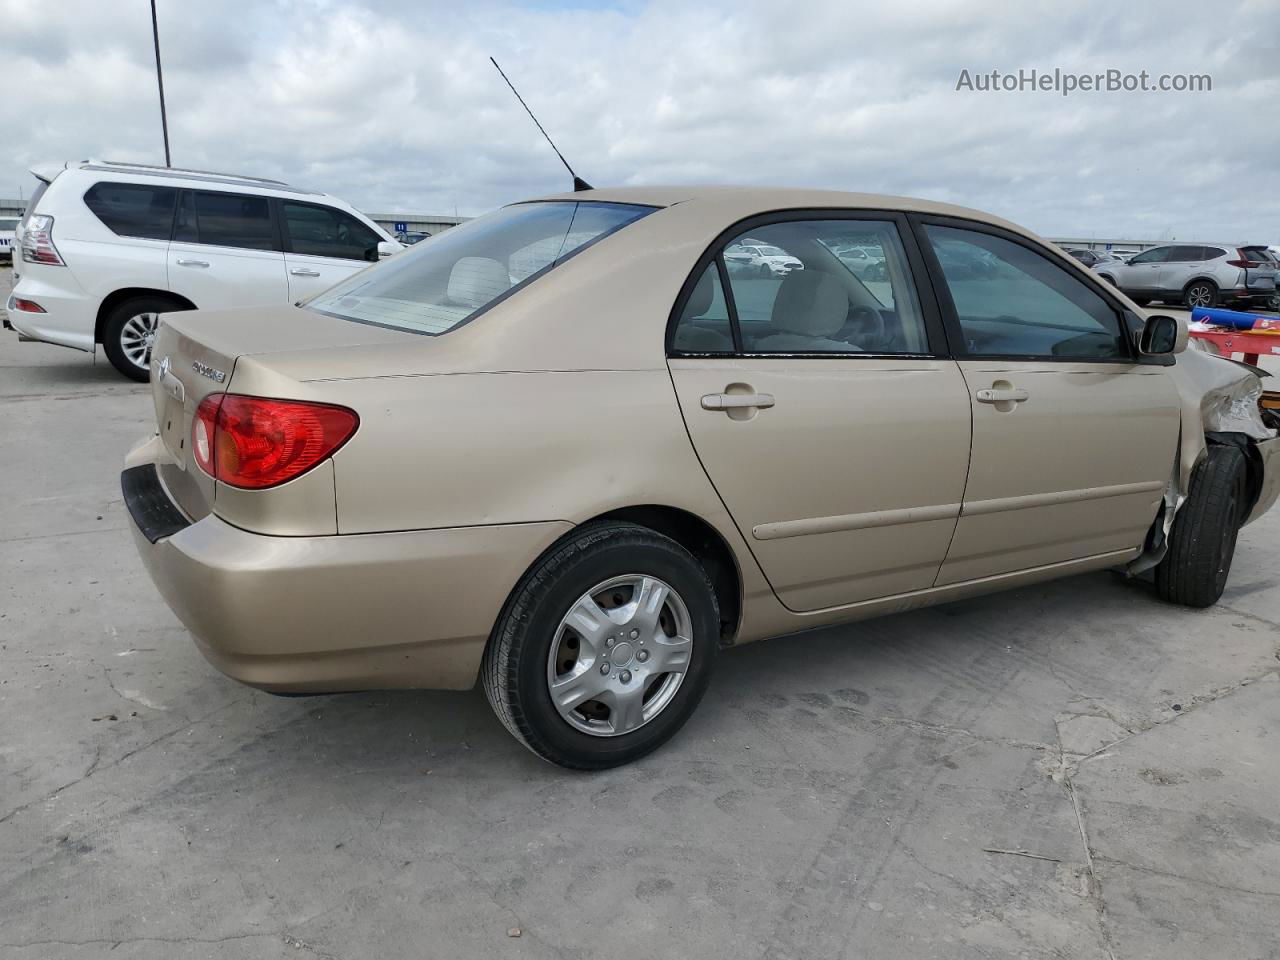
{"type": "Point", "coordinates": [164, 119]}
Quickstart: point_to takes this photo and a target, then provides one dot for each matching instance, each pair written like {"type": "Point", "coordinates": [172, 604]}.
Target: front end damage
{"type": "Point", "coordinates": [1223, 402]}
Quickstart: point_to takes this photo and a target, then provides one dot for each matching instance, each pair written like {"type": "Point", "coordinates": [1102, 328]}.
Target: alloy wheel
{"type": "Point", "coordinates": [136, 337]}
{"type": "Point", "coordinates": [619, 655]}
{"type": "Point", "coordinates": [1199, 295]}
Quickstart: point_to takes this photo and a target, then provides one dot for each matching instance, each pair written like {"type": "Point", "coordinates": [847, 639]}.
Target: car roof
{"type": "Point", "coordinates": [145, 170]}
{"type": "Point", "coordinates": [742, 202]}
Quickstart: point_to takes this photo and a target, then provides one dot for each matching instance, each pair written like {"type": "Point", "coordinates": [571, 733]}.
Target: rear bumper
{"type": "Point", "coordinates": [69, 317]}
{"type": "Point", "coordinates": [333, 613]}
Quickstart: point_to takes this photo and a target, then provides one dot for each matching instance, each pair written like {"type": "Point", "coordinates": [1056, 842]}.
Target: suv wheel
{"type": "Point", "coordinates": [1203, 539]}
{"type": "Point", "coordinates": [605, 647]}
{"type": "Point", "coordinates": [129, 331]}
{"type": "Point", "coordinates": [1201, 293]}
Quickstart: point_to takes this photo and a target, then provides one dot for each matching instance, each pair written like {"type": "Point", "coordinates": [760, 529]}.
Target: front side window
{"type": "Point", "coordinates": [133, 209]}
{"type": "Point", "coordinates": [225, 220]}
{"type": "Point", "coordinates": [811, 294]}
{"type": "Point", "coordinates": [434, 287]}
{"type": "Point", "coordinates": [1157, 255]}
{"type": "Point", "coordinates": [324, 232]}
{"type": "Point", "coordinates": [1011, 301]}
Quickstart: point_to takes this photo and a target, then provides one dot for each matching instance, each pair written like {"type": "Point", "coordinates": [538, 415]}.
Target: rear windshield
{"type": "Point", "coordinates": [447, 279]}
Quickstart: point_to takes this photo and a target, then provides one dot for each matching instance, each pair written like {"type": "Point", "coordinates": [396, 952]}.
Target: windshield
{"type": "Point", "coordinates": [771, 252]}
{"type": "Point", "coordinates": [446, 280]}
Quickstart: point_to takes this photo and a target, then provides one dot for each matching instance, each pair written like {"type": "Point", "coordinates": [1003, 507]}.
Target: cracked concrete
{"type": "Point", "coordinates": [1073, 770]}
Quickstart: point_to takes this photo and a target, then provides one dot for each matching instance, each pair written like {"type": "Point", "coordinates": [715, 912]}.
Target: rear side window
{"type": "Point", "coordinates": [1012, 302]}
{"type": "Point", "coordinates": [434, 287]}
{"type": "Point", "coordinates": [133, 209]}
{"type": "Point", "coordinates": [704, 325]}
{"type": "Point", "coordinates": [225, 220]}
{"type": "Point", "coordinates": [1186, 254]}
{"type": "Point", "coordinates": [324, 232]}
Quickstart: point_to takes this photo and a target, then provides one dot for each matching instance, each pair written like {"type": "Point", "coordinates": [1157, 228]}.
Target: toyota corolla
{"type": "Point", "coordinates": [564, 450]}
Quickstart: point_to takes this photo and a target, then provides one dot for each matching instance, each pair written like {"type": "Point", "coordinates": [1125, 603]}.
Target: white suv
{"type": "Point", "coordinates": [107, 246]}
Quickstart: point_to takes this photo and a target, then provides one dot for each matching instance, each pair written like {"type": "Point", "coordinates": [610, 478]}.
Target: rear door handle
{"type": "Point", "coordinates": [193, 263]}
{"type": "Point", "coordinates": [994, 395]}
{"type": "Point", "coordinates": [300, 272]}
{"type": "Point", "coordinates": [736, 401]}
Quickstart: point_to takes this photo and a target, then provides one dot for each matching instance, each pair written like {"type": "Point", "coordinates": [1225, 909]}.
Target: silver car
{"type": "Point", "coordinates": [1197, 275]}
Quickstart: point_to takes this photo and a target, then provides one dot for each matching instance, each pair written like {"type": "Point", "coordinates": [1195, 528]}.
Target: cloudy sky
{"type": "Point", "coordinates": [393, 105]}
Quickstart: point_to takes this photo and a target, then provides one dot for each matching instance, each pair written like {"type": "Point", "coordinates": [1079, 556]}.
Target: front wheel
{"type": "Point", "coordinates": [605, 647]}
{"type": "Point", "coordinates": [1203, 539]}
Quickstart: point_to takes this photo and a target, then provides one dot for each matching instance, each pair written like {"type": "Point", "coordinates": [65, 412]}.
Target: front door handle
{"type": "Point", "coordinates": [193, 263]}
{"type": "Point", "coordinates": [300, 272]}
{"type": "Point", "coordinates": [736, 401]}
{"type": "Point", "coordinates": [1001, 395]}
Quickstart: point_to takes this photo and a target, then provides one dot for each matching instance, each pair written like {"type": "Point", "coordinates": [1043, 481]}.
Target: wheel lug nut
{"type": "Point", "coordinates": [625, 676]}
{"type": "Point", "coordinates": [604, 668]}
{"type": "Point", "coordinates": [609, 642]}
{"type": "Point", "coordinates": [642, 656]}
{"type": "Point", "coordinates": [634, 634]}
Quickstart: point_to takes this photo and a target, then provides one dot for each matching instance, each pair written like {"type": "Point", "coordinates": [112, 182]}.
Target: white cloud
{"type": "Point", "coordinates": [394, 106]}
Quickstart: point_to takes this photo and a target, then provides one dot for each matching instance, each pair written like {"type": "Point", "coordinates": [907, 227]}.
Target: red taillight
{"type": "Point", "coordinates": [27, 306]}
{"type": "Point", "coordinates": [1244, 262]}
{"type": "Point", "coordinates": [37, 242]}
{"type": "Point", "coordinates": [256, 442]}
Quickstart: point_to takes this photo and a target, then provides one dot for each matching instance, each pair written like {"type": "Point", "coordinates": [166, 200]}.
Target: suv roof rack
{"type": "Point", "coordinates": [155, 170]}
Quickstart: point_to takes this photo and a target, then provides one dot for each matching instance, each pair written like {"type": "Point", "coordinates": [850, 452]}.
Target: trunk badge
{"type": "Point", "coordinates": [217, 376]}
{"type": "Point", "coordinates": [168, 382]}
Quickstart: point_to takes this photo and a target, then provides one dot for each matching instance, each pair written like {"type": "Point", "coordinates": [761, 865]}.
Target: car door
{"type": "Point", "coordinates": [1182, 264]}
{"type": "Point", "coordinates": [225, 251]}
{"type": "Point", "coordinates": [1141, 275]}
{"type": "Point", "coordinates": [1074, 439]}
{"type": "Point", "coordinates": [828, 418]}
{"type": "Point", "coordinates": [322, 246]}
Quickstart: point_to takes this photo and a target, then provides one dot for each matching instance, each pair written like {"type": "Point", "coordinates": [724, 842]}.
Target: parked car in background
{"type": "Point", "coordinates": [106, 247]}
{"type": "Point", "coordinates": [7, 227]}
{"type": "Point", "coordinates": [411, 237]}
{"type": "Point", "coordinates": [562, 449]}
{"type": "Point", "coordinates": [1197, 275]}
{"type": "Point", "coordinates": [761, 259]}
{"type": "Point", "coordinates": [1087, 257]}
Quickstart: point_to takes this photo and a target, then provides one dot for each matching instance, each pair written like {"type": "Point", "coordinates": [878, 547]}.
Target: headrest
{"type": "Point", "coordinates": [474, 281]}
{"type": "Point", "coordinates": [810, 303]}
{"type": "Point", "coordinates": [699, 301]}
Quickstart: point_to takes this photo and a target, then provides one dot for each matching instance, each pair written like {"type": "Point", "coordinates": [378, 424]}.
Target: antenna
{"type": "Point", "coordinates": [578, 182]}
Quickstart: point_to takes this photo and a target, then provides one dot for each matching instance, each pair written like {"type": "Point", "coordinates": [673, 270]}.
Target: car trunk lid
{"type": "Point", "coordinates": [194, 356]}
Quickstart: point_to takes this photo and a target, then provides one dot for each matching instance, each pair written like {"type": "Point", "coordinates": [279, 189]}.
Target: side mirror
{"type": "Point", "coordinates": [386, 248]}
{"type": "Point", "coordinates": [1162, 335]}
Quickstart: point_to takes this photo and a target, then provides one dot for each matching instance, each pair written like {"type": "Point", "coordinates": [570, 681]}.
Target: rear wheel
{"type": "Point", "coordinates": [605, 647]}
{"type": "Point", "coordinates": [129, 331]}
{"type": "Point", "coordinates": [1201, 293]}
{"type": "Point", "coordinates": [1203, 539]}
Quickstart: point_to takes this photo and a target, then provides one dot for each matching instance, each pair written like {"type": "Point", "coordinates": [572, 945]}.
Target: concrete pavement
{"type": "Point", "coordinates": [1073, 770]}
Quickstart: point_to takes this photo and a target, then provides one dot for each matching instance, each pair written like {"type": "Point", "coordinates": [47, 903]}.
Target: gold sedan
{"type": "Point", "coordinates": [578, 445]}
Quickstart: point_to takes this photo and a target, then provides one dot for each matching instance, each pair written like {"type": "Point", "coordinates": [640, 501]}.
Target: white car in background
{"type": "Point", "coordinates": [105, 247]}
{"type": "Point", "coordinates": [7, 227]}
{"type": "Point", "coordinates": [763, 259]}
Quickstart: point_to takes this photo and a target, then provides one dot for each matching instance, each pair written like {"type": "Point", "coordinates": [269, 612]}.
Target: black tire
{"type": "Point", "coordinates": [514, 671]}
{"type": "Point", "coordinates": [114, 332]}
{"type": "Point", "coordinates": [1203, 539]}
{"type": "Point", "coordinates": [1200, 293]}
{"type": "Point", "coordinates": [764, 271]}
